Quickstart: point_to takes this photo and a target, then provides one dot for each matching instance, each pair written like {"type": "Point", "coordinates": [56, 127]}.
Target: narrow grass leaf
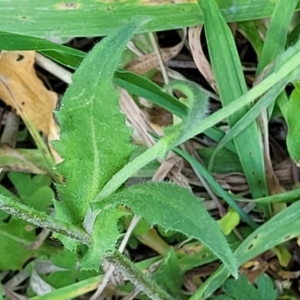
{"type": "Point", "coordinates": [225, 161]}
{"type": "Point", "coordinates": [293, 36]}
{"type": "Point", "coordinates": [216, 187]}
{"type": "Point", "coordinates": [65, 55]}
{"type": "Point", "coordinates": [276, 37]}
{"type": "Point", "coordinates": [217, 135]}
{"type": "Point", "coordinates": [267, 99]}
{"type": "Point", "coordinates": [174, 208]}
{"type": "Point", "coordinates": [231, 84]}
{"type": "Point", "coordinates": [90, 118]}
{"type": "Point", "coordinates": [251, 31]}
{"type": "Point", "coordinates": [287, 224]}
{"type": "Point", "coordinates": [288, 196]}
{"type": "Point", "coordinates": [143, 87]}
{"type": "Point", "coordinates": [81, 18]}
{"type": "Point", "coordinates": [248, 118]}
{"type": "Point", "coordinates": [72, 58]}
{"type": "Point", "coordinates": [72, 291]}
{"type": "Point", "coordinates": [293, 122]}
{"type": "Point", "coordinates": [286, 63]}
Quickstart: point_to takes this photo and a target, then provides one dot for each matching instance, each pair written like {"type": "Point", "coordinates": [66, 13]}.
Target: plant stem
{"type": "Point", "coordinates": [40, 219]}
{"type": "Point", "coordinates": [140, 280]}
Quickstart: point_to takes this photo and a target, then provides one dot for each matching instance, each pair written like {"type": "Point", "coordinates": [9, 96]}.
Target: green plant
{"type": "Point", "coordinates": [234, 290]}
{"type": "Point", "coordinates": [97, 164]}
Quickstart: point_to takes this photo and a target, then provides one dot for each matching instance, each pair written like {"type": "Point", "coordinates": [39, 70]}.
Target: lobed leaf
{"type": "Point", "coordinates": [265, 289]}
{"type": "Point", "coordinates": [94, 139]}
{"type": "Point", "coordinates": [174, 208]}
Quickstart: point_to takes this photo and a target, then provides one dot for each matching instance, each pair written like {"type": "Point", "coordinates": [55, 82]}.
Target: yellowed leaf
{"type": "Point", "coordinates": [32, 97]}
{"type": "Point", "coordinates": [199, 57]}
{"type": "Point", "coordinates": [21, 89]}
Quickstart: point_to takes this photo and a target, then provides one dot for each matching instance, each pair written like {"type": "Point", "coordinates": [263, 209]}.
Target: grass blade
{"type": "Point", "coordinates": [277, 32]}
{"type": "Point", "coordinates": [219, 38]}
{"type": "Point", "coordinates": [275, 41]}
{"type": "Point", "coordinates": [81, 18]}
{"type": "Point", "coordinates": [287, 224]}
{"type": "Point", "coordinates": [216, 187]}
{"type": "Point", "coordinates": [143, 87]}
{"type": "Point", "coordinates": [248, 118]}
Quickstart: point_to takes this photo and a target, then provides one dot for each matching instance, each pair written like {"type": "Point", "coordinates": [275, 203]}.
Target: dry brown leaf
{"type": "Point", "coordinates": [20, 160]}
{"type": "Point", "coordinates": [28, 95]}
{"type": "Point", "coordinates": [252, 273]}
{"type": "Point", "coordinates": [150, 61]}
{"type": "Point", "coordinates": [38, 103]}
{"type": "Point", "coordinates": [199, 57]}
{"type": "Point", "coordinates": [137, 119]}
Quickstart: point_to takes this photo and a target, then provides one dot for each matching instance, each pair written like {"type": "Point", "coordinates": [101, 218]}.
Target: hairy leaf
{"type": "Point", "coordinates": [94, 139]}
{"type": "Point", "coordinates": [197, 108]}
{"type": "Point", "coordinates": [138, 278]}
{"type": "Point", "coordinates": [174, 208]}
{"type": "Point", "coordinates": [104, 238]}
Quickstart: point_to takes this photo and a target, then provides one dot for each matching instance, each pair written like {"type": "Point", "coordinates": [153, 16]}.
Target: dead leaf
{"type": "Point", "coordinates": [199, 57]}
{"type": "Point", "coordinates": [26, 93]}
{"type": "Point", "coordinates": [150, 61]}
{"type": "Point", "coordinates": [21, 160]}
